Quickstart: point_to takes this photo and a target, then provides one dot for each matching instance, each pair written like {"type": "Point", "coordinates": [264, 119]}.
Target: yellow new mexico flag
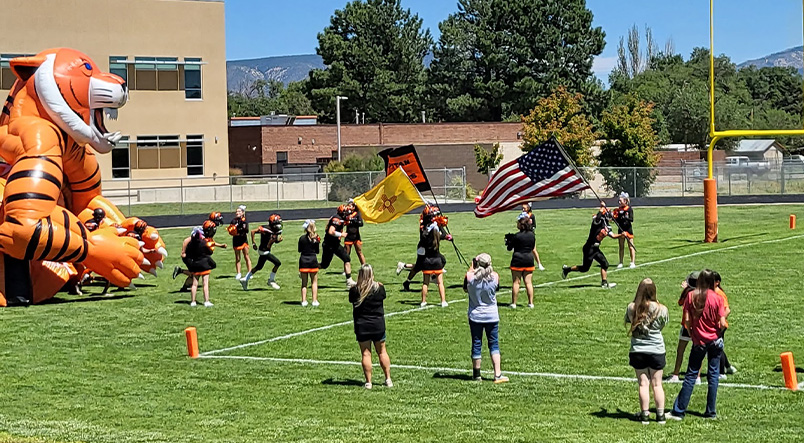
{"type": "Point", "coordinates": [392, 197]}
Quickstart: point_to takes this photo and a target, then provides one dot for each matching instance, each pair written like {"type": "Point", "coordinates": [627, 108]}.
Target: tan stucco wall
{"type": "Point", "coordinates": [139, 28]}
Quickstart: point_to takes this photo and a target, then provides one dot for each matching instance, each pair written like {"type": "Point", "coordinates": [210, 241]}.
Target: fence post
{"type": "Point", "coordinates": [231, 193]}
{"type": "Point", "coordinates": [781, 179]}
{"type": "Point", "coordinates": [277, 192]}
{"type": "Point", "coordinates": [683, 178]}
{"type": "Point", "coordinates": [181, 193]}
{"type": "Point", "coordinates": [369, 181]}
{"type": "Point", "coordinates": [463, 197]}
{"type": "Point", "coordinates": [445, 184]}
{"type": "Point", "coordinates": [128, 185]}
{"type": "Point", "coordinates": [634, 171]}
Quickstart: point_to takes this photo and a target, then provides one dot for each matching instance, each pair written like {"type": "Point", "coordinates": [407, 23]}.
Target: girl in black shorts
{"type": "Point", "coordinates": [434, 262]}
{"type": "Point", "coordinates": [270, 234]}
{"type": "Point", "coordinates": [196, 253]}
{"type": "Point", "coordinates": [331, 246]}
{"type": "Point", "coordinates": [309, 245]}
{"type": "Point", "coordinates": [523, 243]}
{"type": "Point", "coordinates": [646, 317]}
{"type": "Point", "coordinates": [238, 229]}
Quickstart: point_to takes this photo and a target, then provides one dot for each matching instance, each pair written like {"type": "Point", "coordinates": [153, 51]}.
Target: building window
{"type": "Point", "coordinates": [118, 67]}
{"type": "Point", "coordinates": [282, 157]}
{"type": "Point", "coordinates": [121, 165]}
{"type": "Point", "coordinates": [167, 70]}
{"type": "Point", "coordinates": [144, 74]}
{"type": "Point", "coordinates": [155, 74]}
{"type": "Point", "coordinates": [195, 155]}
{"type": "Point", "coordinates": [192, 78]}
{"type": "Point", "coordinates": [158, 152]}
{"type": "Point", "coordinates": [7, 77]}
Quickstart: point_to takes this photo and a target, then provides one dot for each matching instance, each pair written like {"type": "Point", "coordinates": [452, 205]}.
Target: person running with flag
{"type": "Point", "coordinates": [270, 234]}
{"type": "Point", "coordinates": [353, 224]}
{"type": "Point", "coordinates": [332, 244]}
{"type": "Point", "coordinates": [599, 230]}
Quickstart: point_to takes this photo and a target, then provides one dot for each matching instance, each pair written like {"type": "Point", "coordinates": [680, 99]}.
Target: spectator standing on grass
{"type": "Point", "coordinates": [725, 366]}
{"type": "Point", "coordinates": [647, 317]}
{"type": "Point", "coordinates": [368, 313]}
{"type": "Point", "coordinates": [704, 317]}
{"type": "Point", "coordinates": [481, 284]}
{"type": "Point", "coordinates": [687, 286]}
{"type": "Point", "coordinates": [523, 245]}
{"type": "Point", "coordinates": [309, 246]}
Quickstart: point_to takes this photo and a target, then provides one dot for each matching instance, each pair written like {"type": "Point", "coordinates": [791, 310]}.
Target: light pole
{"type": "Point", "coordinates": [338, 120]}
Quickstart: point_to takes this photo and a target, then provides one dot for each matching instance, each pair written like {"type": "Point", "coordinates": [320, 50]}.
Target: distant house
{"type": "Point", "coordinates": [759, 150]}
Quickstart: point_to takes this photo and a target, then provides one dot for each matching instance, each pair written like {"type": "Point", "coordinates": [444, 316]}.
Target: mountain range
{"type": "Point", "coordinates": [291, 68]}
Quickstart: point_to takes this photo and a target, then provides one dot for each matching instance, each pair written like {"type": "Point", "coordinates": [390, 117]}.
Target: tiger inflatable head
{"type": "Point", "coordinates": [66, 87]}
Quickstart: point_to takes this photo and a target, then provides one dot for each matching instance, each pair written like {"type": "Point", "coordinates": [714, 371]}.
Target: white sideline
{"type": "Point", "coordinates": [464, 370]}
{"type": "Point", "coordinates": [580, 277]}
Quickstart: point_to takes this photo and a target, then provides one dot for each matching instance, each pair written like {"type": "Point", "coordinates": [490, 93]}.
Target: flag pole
{"type": "Point", "coordinates": [575, 168]}
{"type": "Point", "coordinates": [461, 258]}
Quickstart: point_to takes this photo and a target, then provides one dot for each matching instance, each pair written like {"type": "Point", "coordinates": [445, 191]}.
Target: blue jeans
{"type": "Point", "coordinates": [712, 351]}
{"type": "Point", "coordinates": [492, 331]}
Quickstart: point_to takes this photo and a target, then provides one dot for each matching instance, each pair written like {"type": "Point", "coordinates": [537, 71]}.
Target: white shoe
{"type": "Point", "coordinates": [632, 265]}
{"type": "Point", "coordinates": [273, 284]}
{"type": "Point", "coordinates": [244, 282]}
{"type": "Point", "coordinates": [367, 385]}
{"type": "Point", "coordinates": [731, 370]}
{"type": "Point", "coordinates": [389, 383]}
{"type": "Point", "coordinates": [722, 377]}
{"type": "Point", "coordinates": [444, 304]}
{"type": "Point", "coordinates": [619, 266]}
{"type": "Point", "coordinates": [608, 285]}
{"type": "Point", "coordinates": [530, 305]}
{"type": "Point", "coordinates": [208, 304]}
{"type": "Point", "coordinates": [423, 304]}
{"type": "Point", "coordinates": [304, 304]}
{"type": "Point", "coordinates": [674, 379]}
{"type": "Point", "coordinates": [512, 306]}
{"type": "Point", "coordinates": [400, 266]}
{"type": "Point", "coordinates": [316, 303]}
{"type": "Point", "coordinates": [350, 283]}
{"type": "Point", "coordinates": [237, 277]}
{"type": "Point", "coordinates": [541, 268]}
{"type": "Point", "coordinates": [697, 381]}
{"type": "Point", "coordinates": [193, 304]}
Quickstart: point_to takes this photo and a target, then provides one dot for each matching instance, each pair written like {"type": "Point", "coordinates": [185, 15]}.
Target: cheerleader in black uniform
{"type": "Point", "coordinates": [353, 223]}
{"type": "Point", "coordinates": [599, 230]}
{"type": "Point", "coordinates": [197, 255]}
{"type": "Point", "coordinates": [429, 212]}
{"type": "Point", "coordinates": [527, 208]}
{"type": "Point", "coordinates": [332, 244]}
{"type": "Point", "coordinates": [434, 261]}
{"type": "Point", "coordinates": [269, 235]}
{"type": "Point", "coordinates": [215, 217]}
{"type": "Point", "coordinates": [624, 216]}
{"type": "Point", "coordinates": [238, 229]}
{"type": "Point", "coordinates": [309, 245]}
{"type": "Point", "coordinates": [523, 243]}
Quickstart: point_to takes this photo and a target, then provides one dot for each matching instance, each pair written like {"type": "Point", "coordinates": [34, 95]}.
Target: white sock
{"type": "Point", "coordinates": [272, 277]}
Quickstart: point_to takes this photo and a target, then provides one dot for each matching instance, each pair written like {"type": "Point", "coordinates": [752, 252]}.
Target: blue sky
{"type": "Point", "coordinates": [743, 29]}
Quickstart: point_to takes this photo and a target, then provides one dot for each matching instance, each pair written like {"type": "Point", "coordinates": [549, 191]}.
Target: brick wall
{"type": "Point", "coordinates": [242, 140]}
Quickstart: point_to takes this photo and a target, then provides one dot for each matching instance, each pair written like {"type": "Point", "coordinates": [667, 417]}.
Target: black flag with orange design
{"type": "Point", "coordinates": [406, 158]}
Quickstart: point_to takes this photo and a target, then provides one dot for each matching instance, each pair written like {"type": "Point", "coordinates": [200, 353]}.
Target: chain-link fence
{"type": "Point", "coordinates": [145, 197]}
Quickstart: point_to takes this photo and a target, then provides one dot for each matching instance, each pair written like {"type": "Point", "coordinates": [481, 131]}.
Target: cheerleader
{"type": "Point", "coordinates": [523, 245]}
{"type": "Point", "coordinates": [238, 229]}
{"type": "Point", "coordinates": [624, 216]}
{"type": "Point", "coordinates": [599, 230]}
{"type": "Point", "coordinates": [527, 208]}
{"type": "Point", "coordinates": [429, 212]}
{"type": "Point", "coordinates": [434, 261]}
{"type": "Point", "coordinates": [269, 235]}
{"type": "Point", "coordinates": [215, 217]}
{"type": "Point", "coordinates": [309, 245]}
{"type": "Point", "coordinates": [353, 223]}
{"type": "Point", "coordinates": [196, 253]}
{"type": "Point", "coordinates": [332, 244]}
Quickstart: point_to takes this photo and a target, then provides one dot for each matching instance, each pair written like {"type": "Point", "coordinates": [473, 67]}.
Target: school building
{"type": "Point", "coordinates": [171, 54]}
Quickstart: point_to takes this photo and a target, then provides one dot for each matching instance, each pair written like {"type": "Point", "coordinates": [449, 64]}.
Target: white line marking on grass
{"type": "Point", "coordinates": [321, 328]}
{"type": "Point", "coordinates": [665, 260]}
{"type": "Point", "coordinates": [464, 370]}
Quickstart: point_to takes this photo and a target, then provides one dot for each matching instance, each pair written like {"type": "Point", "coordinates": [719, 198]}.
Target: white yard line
{"type": "Point", "coordinates": [464, 370]}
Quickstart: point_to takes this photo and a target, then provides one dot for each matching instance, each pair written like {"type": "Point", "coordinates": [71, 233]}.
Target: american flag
{"type": "Point", "coordinates": [541, 173]}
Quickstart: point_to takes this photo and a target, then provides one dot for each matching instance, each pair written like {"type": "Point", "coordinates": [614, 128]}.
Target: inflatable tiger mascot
{"type": "Point", "coordinates": [50, 125]}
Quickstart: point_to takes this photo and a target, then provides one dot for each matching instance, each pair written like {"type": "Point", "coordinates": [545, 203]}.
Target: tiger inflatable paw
{"type": "Point", "coordinates": [118, 259]}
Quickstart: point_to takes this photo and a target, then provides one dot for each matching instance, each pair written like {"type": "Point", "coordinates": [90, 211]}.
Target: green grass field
{"type": "Point", "coordinates": [115, 369]}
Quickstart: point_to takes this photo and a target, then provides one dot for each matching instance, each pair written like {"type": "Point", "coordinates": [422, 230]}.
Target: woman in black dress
{"type": "Point", "coordinates": [196, 253]}
{"type": "Point", "coordinates": [433, 264]}
{"type": "Point", "coordinates": [523, 243]}
{"type": "Point", "coordinates": [368, 313]}
{"type": "Point", "coordinates": [309, 246]}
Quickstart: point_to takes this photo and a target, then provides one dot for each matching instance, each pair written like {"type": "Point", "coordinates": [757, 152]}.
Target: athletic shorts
{"type": "Point", "coordinates": [376, 337]}
{"type": "Point", "coordinates": [640, 360]}
{"type": "Point", "coordinates": [684, 335]}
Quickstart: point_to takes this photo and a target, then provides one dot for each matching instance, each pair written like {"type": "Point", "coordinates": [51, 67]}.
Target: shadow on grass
{"type": "Point", "coordinates": [619, 414]}
{"type": "Point", "coordinates": [453, 376]}
{"type": "Point", "coordinates": [294, 303]}
{"type": "Point", "coordinates": [333, 382]}
{"type": "Point", "coordinates": [181, 302]}
{"type": "Point", "coordinates": [583, 286]}
{"type": "Point", "coordinates": [409, 302]}
{"type": "Point", "coordinates": [779, 369]}
{"type": "Point", "coordinates": [58, 301]}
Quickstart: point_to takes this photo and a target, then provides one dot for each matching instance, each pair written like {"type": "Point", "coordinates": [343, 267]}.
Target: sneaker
{"type": "Point", "coordinates": [564, 271]}
{"type": "Point", "coordinates": [444, 304]}
{"type": "Point", "coordinates": [244, 283]}
{"type": "Point", "coordinates": [731, 370]}
{"type": "Point", "coordinates": [176, 272]}
{"type": "Point", "coordinates": [607, 285]}
{"type": "Point", "coordinates": [642, 417]}
{"type": "Point", "coordinates": [671, 416]}
{"type": "Point", "coordinates": [632, 265]}
{"type": "Point", "coordinates": [238, 276]}
{"type": "Point", "coordinates": [722, 377]}
{"type": "Point", "coordinates": [273, 284]}
{"type": "Point", "coordinates": [673, 379]}
{"type": "Point", "coordinates": [316, 303]}
{"type": "Point", "coordinates": [541, 268]}
{"type": "Point", "coordinates": [500, 379]}
{"type": "Point", "coordinates": [423, 304]}
{"type": "Point", "coordinates": [710, 416]}
{"type": "Point", "coordinates": [367, 385]}
{"type": "Point", "coordinates": [530, 305]}
{"type": "Point", "coordinates": [400, 266]}
{"type": "Point", "coordinates": [406, 285]}
{"type": "Point", "coordinates": [304, 304]}
{"type": "Point", "coordinates": [388, 383]}
{"type": "Point", "coordinates": [512, 306]}
{"type": "Point", "coordinates": [478, 378]}
{"type": "Point", "coordinates": [208, 304]}
{"type": "Point", "coordinates": [698, 381]}
{"type": "Point", "coordinates": [350, 283]}
{"type": "Point", "coordinates": [620, 266]}
{"type": "Point", "coordinates": [661, 419]}
{"type": "Point", "coordinates": [193, 304]}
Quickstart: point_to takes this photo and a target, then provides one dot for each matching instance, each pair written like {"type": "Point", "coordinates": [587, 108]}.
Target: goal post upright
{"type": "Point", "coordinates": [710, 183]}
